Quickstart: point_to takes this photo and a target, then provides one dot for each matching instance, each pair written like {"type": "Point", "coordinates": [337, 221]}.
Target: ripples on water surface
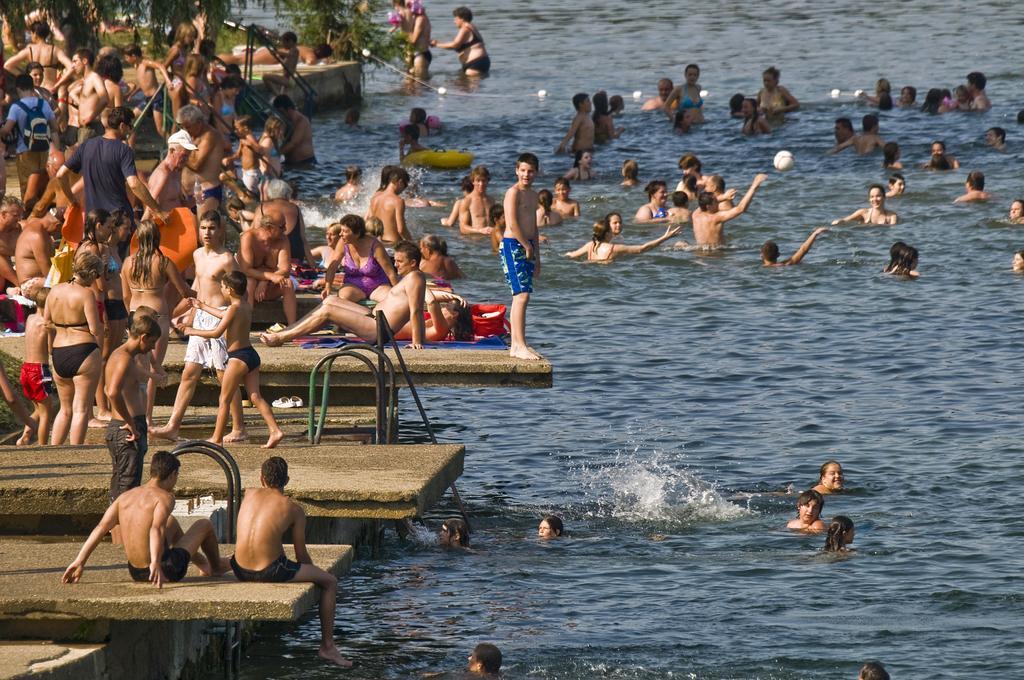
{"type": "Point", "coordinates": [690, 391]}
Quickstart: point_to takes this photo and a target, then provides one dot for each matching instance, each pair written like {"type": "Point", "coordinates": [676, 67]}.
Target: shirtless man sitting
{"type": "Point", "coordinates": [403, 304]}
{"type": "Point", "coordinates": [277, 203]}
{"type": "Point", "coordinates": [474, 208]}
{"type": "Point", "coordinates": [867, 141]}
{"type": "Point", "coordinates": [263, 256]}
{"type": "Point", "coordinates": [298, 148]}
{"type": "Point", "coordinates": [165, 180]}
{"type": "Point", "coordinates": [33, 251]}
{"type": "Point", "coordinates": [144, 516]}
{"type": "Point", "coordinates": [389, 207]}
{"type": "Point", "coordinates": [204, 163]}
{"type": "Point", "coordinates": [709, 221]}
{"type": "Point", "coordinates": [264, 517]}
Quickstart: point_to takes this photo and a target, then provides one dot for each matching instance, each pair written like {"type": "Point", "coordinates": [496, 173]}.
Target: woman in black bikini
{"type": "Point", "coordinates": [72, 311]}
{"type": "Point", "coordinates": [39, 50]}
{"type": "Point", "coordinates": [468, 44]}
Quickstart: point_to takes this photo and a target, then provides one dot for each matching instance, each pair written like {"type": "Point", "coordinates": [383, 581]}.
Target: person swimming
{"type": "Point", "coordinates": [1016, 215]}
{"type": "Point", "coordinates": [830, 478]}
{"type": "Point", "coordinates": [654, 210]}
{"type": "Point", "coordinates": [809, 505]}
{"type": "Point", "coordinates": [897, 185]}
{"type": "Point", "coordinates": [840, 534]}
{"type": "Point", "coordinates": [902, 260]}
{"type": "Point", "coordinates": [550, 527]}
{"type": "Point", "coordinates": [601, 249]}
{"type": "Point", "coordinates": [875, 213]}
{"type": "Point", "coordinates": [630, 173]}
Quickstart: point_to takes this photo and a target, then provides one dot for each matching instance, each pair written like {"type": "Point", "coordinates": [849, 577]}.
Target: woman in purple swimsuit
{"type": "Point", "coordinates": [369, 272]}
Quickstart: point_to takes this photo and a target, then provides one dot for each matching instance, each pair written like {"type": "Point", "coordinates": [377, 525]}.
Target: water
{"type": "Point", "coordinates": [693, 392]}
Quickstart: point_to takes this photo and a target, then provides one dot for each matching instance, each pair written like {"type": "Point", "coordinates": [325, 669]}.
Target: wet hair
{"type": "Point", "coordinates": [463, 13]}
{"type": "Point", "coordinates": [837, 528]}
{"type": "Point", "coordinates": [417, 116]}
{"type": "Point", "coordinates": [717, 183]}
{"type": "Point", "coordinates": [455, 526]}
{"type": "Point", "coordinates": [736, 103]}
{"type": "Point", "coordinates": [977, 79]}
{"type": "Point", "coordinates": [630, 169]}
{"type": "Point", "coordinates": [578, 156]}
{"type": "Point", "coordinates": [144, 326]}
{"type": "Point", "coordinates": [680, 199]}
{"type": "Point", "coordinates": [773, 72]}
{"type": "Point", "coordinates": [489, 657]}
{"type": "Point", "coordinates": [689, 162]}
{"type": "Point", "coordinates": [467, 184]}
{"type": "Point", "coordinates": [353, 172]}
{"type": "Point", "coordinates": [770, 251]}
{"type": "Point", "coordinates": [398, 176]}
{"type": "Point", "coordinates": [149, 246]}
{"type": "Point", "coordinates": [434, 243]}
{"type": "Point", "coordinates": [869, 122]}
{"type": "Point", "coordinates": [385, 176]}
{"type": "Point", "coordinates": [902, 259]}
{"type": "Point", "coordinates": [563, 182]}
{"type": "Point", "coordinates": [355, 224]}
{"type": "Point", "coordinates": [845, 123]}
{"type": "Point", "coordinates": [274, 472]}
{"type": "Point", "coordinates": [600, 100]}
{"type": "Point", "coordinates": [706, 200]}
{"type": "Point", "coordinates": [411, 131]}
{"type": "Point", "coordinates": [873, 670]}
{"type": "Point", "coordinates": [911, 90]}
{"type": "Point", "coordinates": [939, 162]}
{"type": "Point", "coordinates": [941, 144]}
{"type": "Point", "coordinates": [496, 213]}
{"type": "Point", "coordinates": [283, 102]}
{"type": "Point", "coordinates": [235, 281]}
{"type": "Point", "coordinates": [932, 101]}
{"type": "Point", "coordinates": [999, 132]}
{"type": "Point", "coordinates": [163, 465]}
{"type": "Point", "coordinates": [616, 103]}
{"type": "Point", "coordinates": [529, 159]}
{"type": "Point", "coordinates": [755, 110]}
{"type": "Point", "coordinates": [826, 465]}
{"type": "Point", "coordinates": [578, 99]}
{"type": "Point", "coordinates": [544, 198]}
{"type": "Point", "coordinates": [877, 186]}
{"type": "Point", "coordinates": [119, 115]}
{"type": "Point", "coordinates": [374, 226]}
{"type": "Point", "coordinates": [480, 172]}
{"type": "Point", "coordinates": [653, 186]}
{"type": "Point", "coordinates": [93, 219]}
{"type": "Point", "coordinates": [811, 496]}
{"type": "Point", "coordinates": [87, 266]}
{"type": "Point", "coordinates": [608, 218]}
{"type": "Point", "coordinates": [890, 153]}
{"type": "Point", "coordinates": [976, 180]}
{"type": "Point", "coordinates": [555, 522]}
{"type": "Point", "coordinates": [885, 102]}
{"type": "Point", "coordinates": [411, 250]}
{"type": "Point", "coordinates": [601, 231]}
{"type": "Point", "coordinates": [680, 122]}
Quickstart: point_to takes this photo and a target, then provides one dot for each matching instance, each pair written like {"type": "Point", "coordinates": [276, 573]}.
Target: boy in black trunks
{"type": "Point", "coordinates": [144, 515]}
{"type": "Point", "coordinates": [264, 517]}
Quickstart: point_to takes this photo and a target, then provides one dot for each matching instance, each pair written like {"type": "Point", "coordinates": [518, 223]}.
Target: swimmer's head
{"type": "Point", "coordinates": [681, 122]}
{"type": "Point", "coordinates": [883, 86]}
{"type": "Point", "coordinates": [544, 198]}
{"type": "Point", "coordinates": [580, 100]}
{"type": "Point", "coordinates": [497, 215]}
{"type": "Point", "coordinates": [680, 199]}
{"type": "Point", "coordinates": [353, 173]}
{"type": "Point", "coordinates": [550, 527]}
{"type": "Point", "coordinates": [164, 466]}
{"type": "Point", "coordinates": [584, 158]}
{"type": "Point", "coordinates": [707, 202]}
{"type": "Point", "coordinates": [656, 191]}
{"type": "Point", "coordinates": [939, 161]}
{"type": "Point", "coordinates": [466, 185]}
{"type": "Point", "coordinates": [399, 178]}
{"type": "Point", "coordinates": [432, 243]}
{"type": "Point", "coordinates": [770, 252]}
{"type": "Point", "coordinates": [809, 505]}
{"type": "Point", "coordinates": [870, 123]}
{"type": "Point", "coordinates": [736, 103]}
{"type": "Point", "coordinates": [873, 671]}
{"type": "Point", "coordinates": [352, 117]}
{"type": "Point", "coordinates": [480, 174]}
{"type": "Point", "coordinates": [876, 195]}
{"type": "Point", "coordinates": [529, 159]}
{"type": "Point", "coordinates": [715, 183]}
{"type": "Point", "coordinates": [614, 222]}
{"type": "Point", "coordinates": [1018, 261]}
{"type": "Point", "coordinates": [843, 129]}
{"type": "Point", "coordinates": [976, 81]}
{"type": "Point", "coordinates": [486, 658]}
{"type": "Point", "coordinates": [932, 101]}
{"type": "Point", "coordinates": [631, 170]}
{"type": "Point", "coordinates": [975, 181]}
{"type": "Point", "coordinates": [600, 100]}
{"type": "Point", "coordinates": [995, 136]}
{"type": "Point", "coordinates": [690, 164]}
{"type": "Point", "coordinates": [770, 77]}
{"type": "Point", "coordinates": [890, 153]}
{"type": "Point", "coordinates": [908, 95]}
{"type": "Point", "coordinates": [602, 232]}
{"type": "Point", "coordinates": [463, 14]}
{"type": "Point", "coordinates": [692, 73]}
{"type": "Point", "coordinates": [749, 108]}
{"type": "Point", "coordinates": [830, 475]}
{"type": "Point", "coordinates": [418, 116]}
{"type": "Point", "coordinates": [454, 532]}
{"type": "Point", "coordinates": [562, 187]}
{"type": "Point", "coordinates": [902, 259]}
{"type": "Point", "coordinates": [840, 533]}
{"type": "Point", "coordinates": [616, 103]}
{"type": "Point", "coordinates": [411, 133]}
{"type": "Point", "coordinates": [1017, 209]}
{"type": "Point", "coordinates": [665, 87]}
{"type": "Point", "coordinates": [274, 473]}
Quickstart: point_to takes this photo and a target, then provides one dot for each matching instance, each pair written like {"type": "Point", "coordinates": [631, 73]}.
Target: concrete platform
{"type": "Point", "coordinates": [30, 574]}
{"type": "Point", "coordinates": [331, 480]}
{"type": "Point", "coordinates": [50, 660]}
{"type": "Point", "coordinates": [337, 85]}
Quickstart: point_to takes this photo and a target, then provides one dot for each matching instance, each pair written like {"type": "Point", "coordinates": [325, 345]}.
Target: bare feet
{"type": "Point", "coordinates": [97, 424]}
{"type": "Point", "coordinates": [271, 339]}
{"type": "Point", "coordinates": [236, 436]}
{"type": "Point", "coordinates": [166, 432]}
{"type": "Point", "coordinates": [275, 438]}
{"type": "Point", "coordinates": [224, 567]}
{"type": "Point", "coordinates": [218, 442]}
{"type": "Point", "coordinates": [524, 352]}
{"type": "Point", "coordinates": [332, 655]}
{"type": "Point", "coordinates": [27, 435]}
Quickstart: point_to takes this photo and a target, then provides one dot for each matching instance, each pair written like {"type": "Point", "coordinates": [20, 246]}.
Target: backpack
{"type": "Point", "coordinates": [37, 133]}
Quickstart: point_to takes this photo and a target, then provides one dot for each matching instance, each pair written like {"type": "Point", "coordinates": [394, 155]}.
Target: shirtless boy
{"type": "Point", "coordinates": [264, 517]}
{"type": "Point", "coordinates": [867, 141]}
{"type": "Point", "coordinates": [808, 513]}
{"type": "Point", "coordinates": [389, 207]}
{"type": "Point", "coordinates": [243, 361]}
{"type": "Point", "coordinates": [474, 208]}
{"type": "Point", "coordinates": [581, 130]}
{"type": "Point", "coordinates": [709, 221]}
{"type": "Point", "coordinates": [402, 305]}
{"type": "Point", "coordinates": [212, 261]}
{"type": "Point", "coordinates": [146, 85]}
{"type": "Point", "coordinates": [520, 250]}
{"type": "Point", "coordinates": [770, 251]}
{"type": "Point", "coordinates": [152, 536]}
{"type": "Point", "coordinates": [975, 186]}
{"type": "Point", "coordinates": [263, 256]}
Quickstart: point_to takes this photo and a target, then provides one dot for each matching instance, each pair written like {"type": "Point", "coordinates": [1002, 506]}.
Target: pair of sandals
{"type": "Point", "coordinates": [288, 402]}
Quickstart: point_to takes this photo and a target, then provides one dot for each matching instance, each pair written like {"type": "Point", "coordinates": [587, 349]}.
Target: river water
{"type": "Point", "coordinates": [695, 394]}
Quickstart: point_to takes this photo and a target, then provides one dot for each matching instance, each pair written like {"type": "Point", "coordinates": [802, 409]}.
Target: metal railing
{"type": "Point", "coordinates": [234, 479]}
{"type": "Point", "coordinates": [255, 33]}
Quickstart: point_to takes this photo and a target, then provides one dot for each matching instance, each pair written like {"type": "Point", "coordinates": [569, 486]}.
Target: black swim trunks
{"type": "Point", "coordinates": [174, 563]}
{"type": "Point", "coordinates": [247, 355]}
{"type": "Point", "coordinates": [280, 570]}
{"type": "Point", "coordinates": [126, 456]}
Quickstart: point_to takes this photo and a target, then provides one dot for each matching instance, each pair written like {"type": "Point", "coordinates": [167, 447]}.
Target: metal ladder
{"type": "Point", "coordinates": [255, 33]}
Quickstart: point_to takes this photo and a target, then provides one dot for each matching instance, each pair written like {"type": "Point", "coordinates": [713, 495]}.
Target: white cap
{"type": "Point", "coordinates": [182, 139]}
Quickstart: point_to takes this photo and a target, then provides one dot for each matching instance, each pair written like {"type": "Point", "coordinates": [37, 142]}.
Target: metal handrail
{"type": "Point", "coordinates": [149, 105]}
{"type": "Point", "coordinates": [227, 463]}
{"type": "Point", "coordinates": [383, 425]}
{"type": "Point", "coordinates": [254, 32]}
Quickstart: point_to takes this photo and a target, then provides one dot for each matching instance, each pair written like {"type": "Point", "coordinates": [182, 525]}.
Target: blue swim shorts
{"type": "Point", "coordinates": [518, 270]}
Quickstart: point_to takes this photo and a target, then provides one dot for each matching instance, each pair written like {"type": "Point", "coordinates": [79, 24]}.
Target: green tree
{"type": "Point", "coordinates": [348, 26]}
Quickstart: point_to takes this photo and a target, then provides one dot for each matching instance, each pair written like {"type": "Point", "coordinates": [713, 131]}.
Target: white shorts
{"type": "Point", "coordinates": [207, 352]}
{"type": "Point", "coordinates": [251, 179]}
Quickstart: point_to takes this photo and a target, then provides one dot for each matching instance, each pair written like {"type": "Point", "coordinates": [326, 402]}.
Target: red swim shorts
{"type": "Point", "coordinates": [36, 382]}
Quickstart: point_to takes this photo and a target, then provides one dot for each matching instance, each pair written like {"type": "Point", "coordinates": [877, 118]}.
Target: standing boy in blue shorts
{"type": "Point", "coordinates": [520, 250]}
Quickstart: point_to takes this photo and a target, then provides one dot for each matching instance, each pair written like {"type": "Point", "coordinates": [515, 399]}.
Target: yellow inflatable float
{"type": "Point", "coordinates": [445, 159]}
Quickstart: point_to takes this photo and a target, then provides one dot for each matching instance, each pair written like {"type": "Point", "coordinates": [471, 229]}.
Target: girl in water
{"type": "Point", "coordinates": [654, 210]}
{"type": "Point", "coordinates": [562, 204]}
{"type": "Point", "coordinates": [840, 534]}
{"type": "Point", "coordinates": [687, 97]}
{"type": "Point", "coordinates": [601, 249]}
{"type": "Point", "coordinates": [902, 260]}
{"type": "Point", "coordinates": [546, 217]}
{"type": "Point", "coordinates": [891, 156]}
{"type": "Point", "coordinates": [875, 214]}
{"type": "Point", "coordinates": [454, 534]}
{"type": "Point", "coordinates": [932, 101]}
{"type": "Point", "coordinates": [681, 123]}
{"type": "Point", "coordinates": [897, 185]}
{"type": "Point", "coordinates": [436, 261]}
{"type": "Point", "coordinates": [883, 95]}
{"type": "Point", "coordinates": [753, 122]}
{"type": "Point", "coordinates": [550, 527]}
{"type": "Point", "coordinates": [614, 222]}
{"type": "Point", "coordinates": [630, 173]}
{"type": "Point", "coordinates": [582, 167]}
{"type": "Point", "coordinates": [774, 99]}
{"type": "Point", "coordinates": [604, 129]}
{"type": "Point", "coordinates": [830, 478]}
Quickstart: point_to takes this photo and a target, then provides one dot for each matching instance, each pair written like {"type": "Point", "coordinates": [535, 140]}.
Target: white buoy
{"type": "Point", "coordinates": [835, 93]}
{"type": "Point", "coordinates": [366, 52]}
{"type": "Point", "coordinates": [637, 94]}
{"type": "Point", "coordinates": [703, 93]}
{"type": "Point", "coordinates": [542, 93]}
{"type": "Point", "coordinates": [784, 161]}
{"type": "Point", "coordinates": [858, 93]}
{"type": "Point", "coordinates": [442, 91]}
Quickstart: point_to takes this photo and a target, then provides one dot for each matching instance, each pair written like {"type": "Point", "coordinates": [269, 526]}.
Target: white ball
{"type": "Point", "coordinates": [784, 161]}
{"type": "Point", "coordinates": [637, 94]}
{"type": "Point", "coordinates": [542, 93]}
{"type": "Point", "coordinates": [835, 93]}
{"type": "Point", "coordinates": [858, 93]}
{"type": "Point", "coordinates": [703, 93]}
{"type": "Point", "coordinates": [442, 91]}
{"type": "Point", "coordinates": [366, 52]}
